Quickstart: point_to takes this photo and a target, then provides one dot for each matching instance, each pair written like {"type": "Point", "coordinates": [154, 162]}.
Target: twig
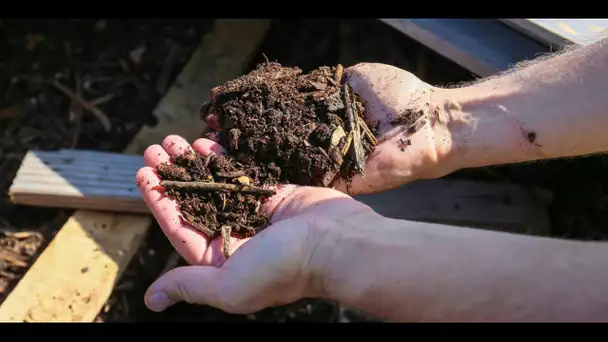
{"type": "Point", "coordinates": [368, 133]}
{"type": "Point", "coordinates": [189, 219]}
{"type": "Point", "coordinates": [103, 99]}
{"type": "Point", "coordinates": [13, 259]}
{"type": "Point", "coordinates": [77, 115]}
{"type": "Point", "coordinates": [339, 73]}
{"type": "Point", "coordinates": [233, 174]}
{"type": "Point", "coordinates": [357, 151]}
{"type": "Point", "coordinates": [349, 140]}
{"type": "Point", "coordinates": [211, 186]}
{"type": "Point", "coordinates": [226, 230]}
{"type": "Point", "coordinates": [101, 116]}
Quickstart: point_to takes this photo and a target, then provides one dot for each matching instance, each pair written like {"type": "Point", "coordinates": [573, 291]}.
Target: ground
{"type": "Point", "coordinates": [122, 66]}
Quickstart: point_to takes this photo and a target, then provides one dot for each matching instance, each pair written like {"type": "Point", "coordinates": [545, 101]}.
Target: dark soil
{"type": "Point", "coordinates": [123, 66]}
{"type": "Point", "coordinates": [293, 126]}
{"type": "Point", "coordinates": [209, 211]}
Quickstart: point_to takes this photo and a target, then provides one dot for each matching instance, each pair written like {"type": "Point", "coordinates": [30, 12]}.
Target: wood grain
{"type": "Point", "coordinates": [53, 290]}
{"type": "Point", "coordinates": [559, 32]}
{"type": "Point", "coordinates": [504, 207]}
{"type": "Point", "coordinates": [482, 46]}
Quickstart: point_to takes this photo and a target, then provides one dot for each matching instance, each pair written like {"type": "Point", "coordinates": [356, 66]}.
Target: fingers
{"type": "Point", "coordinates": [206, 285]}
{"type": "Point", "coordinates": [206, 146]}
{"type": "Point", "coordinates": [155, 155]}
{"type": "Point", "coordinates": [191, 244]}
{"type": "Point", "coordinates": [192, 284]}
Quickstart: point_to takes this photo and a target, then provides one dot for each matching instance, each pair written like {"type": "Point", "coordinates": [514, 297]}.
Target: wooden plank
{"type": "Point", "coordinates": [78, 179]}
{"type": "Point", "coordinates": [85, 260]}
{"type": "Point", "coordinates": [559, 32]}
{"type": "Point", "coordinates": [504, 207]}
{"type": "Point", "coordinates": [55, 285]}
{"type": "Point", "coordinates": [54, 179]}
{"type": "Point", "coordinates": [482, 46]}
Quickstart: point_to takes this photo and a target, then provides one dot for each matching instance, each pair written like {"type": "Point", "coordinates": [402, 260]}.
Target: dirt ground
{"type": "Point", "coordinates": [125, 66]}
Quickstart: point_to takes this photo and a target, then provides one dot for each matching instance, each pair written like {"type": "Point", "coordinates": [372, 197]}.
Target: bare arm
{"type": "Point", "coordinates": [556, 107]}
{"type": "Point", "coordinates": [411, 271]}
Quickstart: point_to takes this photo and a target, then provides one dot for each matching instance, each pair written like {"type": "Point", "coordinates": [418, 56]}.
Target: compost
{"type": "Point", "coordinates": [279, 126]}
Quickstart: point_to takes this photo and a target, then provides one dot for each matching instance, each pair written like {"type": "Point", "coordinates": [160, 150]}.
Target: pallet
{"type": "Point", "coordinates": [73, 277]}
{"type": "Point", "coordinates": [482, 46]}
{"type": "Point", "coordinates": [60, 179]}
{"type": "Point", "coordinates": [78, 179]}
{"type": "Point", "coordinates": [560, 32]}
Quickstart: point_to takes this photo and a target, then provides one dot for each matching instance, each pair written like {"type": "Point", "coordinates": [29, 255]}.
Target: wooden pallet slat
{"type": "Point", "coordinates": [57, 287]}
{"type": "Point", "coordinates": [559, 32]}
{"type": "Point", "coordinates": [482, 46]}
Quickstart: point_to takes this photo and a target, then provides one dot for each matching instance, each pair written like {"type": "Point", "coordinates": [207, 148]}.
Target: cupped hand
{"type": "Point", "coordinates": [279, 265]}
{"type": "Point", "coordinates": [400, 157]}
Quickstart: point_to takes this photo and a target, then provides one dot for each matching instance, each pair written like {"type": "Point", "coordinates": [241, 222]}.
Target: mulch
{"type": "Point", "coordinates": [123, 67]}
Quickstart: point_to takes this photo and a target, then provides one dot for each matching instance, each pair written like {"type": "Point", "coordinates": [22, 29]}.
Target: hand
{"type": "Point", "coordinates": [388, 91]}
{"type": "Point", "coordinates": [279, 265]}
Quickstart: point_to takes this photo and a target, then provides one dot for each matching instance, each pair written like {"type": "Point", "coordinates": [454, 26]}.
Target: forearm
{"type": "Point", "coordinates": [549, 109]}
{"type": "Point", "coordinates": [409, 271]}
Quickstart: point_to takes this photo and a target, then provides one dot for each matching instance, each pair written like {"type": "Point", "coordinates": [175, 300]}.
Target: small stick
{"type": "Point", "coordinates": [349, 140]}
{"type": "Point", "coordinates": [339, 73]}
{"type": "Point", "coordinates": [78, 116]}
{"type": "Point", "coordinates": [101, 116]}
{"type": "Point", "coordinates": [367, 131]}
{"type": "Point", "coordinates": [101, 100]}
{"type": "Point", "coordinates": [189, 219]}
{"type": "Point", "coordinates": [233, 174]}
{"type": "Point", "coordinates": [416, 126]}
{"type": "Point", "coordinates": [226, 230]}
{"type": "Point", "coordinates": [211, 186]}
{"type": "Point", "coordinates": [357, 150]}
{"type": "Point", "coordinates": [208, 159]}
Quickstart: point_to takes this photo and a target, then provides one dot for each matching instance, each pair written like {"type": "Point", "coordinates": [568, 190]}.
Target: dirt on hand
{"type": "Point", "coordinates": [280, 126]}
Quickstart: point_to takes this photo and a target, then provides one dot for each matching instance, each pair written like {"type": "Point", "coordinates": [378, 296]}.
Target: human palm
{"type": "Point", "coordinates": [269, 269]}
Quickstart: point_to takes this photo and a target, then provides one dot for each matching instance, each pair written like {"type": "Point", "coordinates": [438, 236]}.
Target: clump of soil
{"type": "Point", "coordinates": [279, 126]}
{"type": "Point", "coordinates": [215, 196]}
{"type": "Point", "coordinates": [298, 128]}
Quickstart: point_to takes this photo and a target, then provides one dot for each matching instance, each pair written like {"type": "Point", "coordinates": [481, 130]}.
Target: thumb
{"type": "Point", "coordinates": [192, 284]}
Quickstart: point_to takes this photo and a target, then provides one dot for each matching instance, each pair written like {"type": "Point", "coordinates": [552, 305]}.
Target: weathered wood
{"type": "Point", "coordinates": [54, 179]}
{"type": "Point", "coordinates": [74, 276]}
{"type": "Point", "coordinates": [52, 290]}
{"type": "Point", "coordinates": [559, 32]}
{"type": "Point", "coordinates": [504, 207]}
{"type": "Point", "coordinates": [482, 46]}
{"type": "Point", "coordinates": [79, 180]}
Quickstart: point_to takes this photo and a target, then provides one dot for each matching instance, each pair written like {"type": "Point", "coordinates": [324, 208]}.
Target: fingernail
{"type": "Point", "coordinates": [159, 301]}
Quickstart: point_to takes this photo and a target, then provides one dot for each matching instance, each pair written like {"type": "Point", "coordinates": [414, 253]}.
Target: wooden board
{"type": "Point", "coordinates": [504, 207]}
{"type": "Point", "coordinates": [559, 32]}
{"type": "Point", "coordinates": [482, 46]}
{"type": "Point", "coordinates": [54, 283]}
{"type": "Point", "coordinates": [77, 179]}
{"type": "Point", "coordinates": [56, 179]}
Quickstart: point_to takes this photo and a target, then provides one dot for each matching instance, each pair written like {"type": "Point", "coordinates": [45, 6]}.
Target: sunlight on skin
{"type": "Point", "coordinates": [193, 245]}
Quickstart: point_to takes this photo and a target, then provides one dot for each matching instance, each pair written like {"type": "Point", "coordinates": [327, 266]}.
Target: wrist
{"type": "Point", "coordinates": [333, 241]}
{"type": "Point", "coordinates": [485, 127]}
